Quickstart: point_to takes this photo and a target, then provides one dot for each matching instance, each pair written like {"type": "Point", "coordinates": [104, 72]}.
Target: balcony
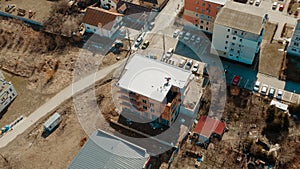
{"type": "Point", "coordinates": [171, 97]}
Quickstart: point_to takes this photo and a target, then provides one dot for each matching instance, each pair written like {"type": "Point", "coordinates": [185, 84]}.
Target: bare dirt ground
{"type": "Point", "coordinates": [46, 63]}
{"type": "Point", "coordinates": [245, 117]}
{"type": "Point", "coordinates": [36, 70]}
{"type": "Point", "coordinates": [41, 8]}
{"type": "Point", "coordinates": [32, 150]}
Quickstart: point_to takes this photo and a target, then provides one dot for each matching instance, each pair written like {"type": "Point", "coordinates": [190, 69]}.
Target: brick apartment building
{"type": "Point", "coordinates": [202, 13]}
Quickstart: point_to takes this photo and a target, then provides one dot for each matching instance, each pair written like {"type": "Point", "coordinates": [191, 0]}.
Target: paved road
{"type": "Point", "coordinates": [278, 17]}
{"type": "Point", "coordinates": [54, 102]}
{"type": "Point", "coordinates": [166, 17]}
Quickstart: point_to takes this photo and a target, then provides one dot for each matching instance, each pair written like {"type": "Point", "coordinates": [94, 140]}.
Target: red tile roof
{"type": "Point", "coordinates": [206, 126]}
{"type": "Point", "coordinates": [98, 16]}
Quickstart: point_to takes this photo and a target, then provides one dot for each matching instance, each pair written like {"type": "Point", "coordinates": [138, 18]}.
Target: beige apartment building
{"type": "Point", "coordinates": [153, 90]}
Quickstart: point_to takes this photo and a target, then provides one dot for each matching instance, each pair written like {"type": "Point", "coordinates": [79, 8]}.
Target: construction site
{"type": "Point", "coordinates": [41, 62]}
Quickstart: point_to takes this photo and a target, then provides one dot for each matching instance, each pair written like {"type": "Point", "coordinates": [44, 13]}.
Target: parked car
{"type": "Point", "coordinates": [145, 44]}
{"type": "Point", "coordinates": [251, 2]}
{"type": "Point", "coordinates": [256, 86]}
{"type": "Point", "coordinates": [193, 38]}
{"type": "Point", "coordinates": [279, 94]}
{"type": "Point", "coordinates": [236, 80]}
{"type": "Point", "coordinates": [182, 62]}
{"type": "Point", "coordinates": [257, 2]}
{"type": "Point", "coordinates": [272, 92]}
{"type": "Point", "coordinates": [195, 68]}
{"type": "Point", "coordinates": [189, 64]}
{"type": "Point", "coordinates": [169, 53]}
{"type": "Point", "coordinates": [274, 6]}
{"type": "Point", "coordinates": [181, 34]}
{"type": "Point", "coordinates": [198, 40]}
{"type": "Point", "coordinates": [176, 33]}
{"type": "Point", "coordinates": [187, 36]}
{"type": "Point", "coordinates": [281, 7]}
{"type": "Point", "coordinates": [138, 41]}
{"type": "Point", "coordinates": [151, 25]}
{"type": "Point", "coordinates": [264, 89]}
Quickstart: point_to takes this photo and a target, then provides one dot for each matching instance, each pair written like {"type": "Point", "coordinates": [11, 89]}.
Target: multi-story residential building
{"type": "Point", "coordinates": [294, 46]}
{"type": "Point", "coordinates": [238, 32]}
{"type": "Point", "coordinates": [153, 90]}
{"type": "Point", "coordinates": [7, 94]}
{"type": "Point", "coordinates": [102, 22]}
{"type": "Point", "coordinates": [202, 13]}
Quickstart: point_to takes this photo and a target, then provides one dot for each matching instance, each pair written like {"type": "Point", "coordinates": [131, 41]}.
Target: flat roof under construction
{"type": "Point", "coordinates": [148, 77]}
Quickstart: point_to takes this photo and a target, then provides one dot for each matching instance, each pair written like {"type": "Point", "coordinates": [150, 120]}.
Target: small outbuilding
{"type": "Point", "coordinates": [52, 122]}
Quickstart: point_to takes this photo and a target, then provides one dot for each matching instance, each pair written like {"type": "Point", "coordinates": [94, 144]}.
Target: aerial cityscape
{"type": "Point", "coordinates": [150, 84]}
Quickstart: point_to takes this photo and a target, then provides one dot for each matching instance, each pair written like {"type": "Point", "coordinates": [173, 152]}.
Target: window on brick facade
{"type": "Point", "coordinates": [144, 101]}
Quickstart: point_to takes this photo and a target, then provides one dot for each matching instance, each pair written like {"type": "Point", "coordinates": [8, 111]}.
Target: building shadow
{"type": "Point", "coordinates": [3, 112]}
{"type": "Point", "coordinates": [46, 133]}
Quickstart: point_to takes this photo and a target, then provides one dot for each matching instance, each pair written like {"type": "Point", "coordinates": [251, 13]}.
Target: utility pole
{"type": "Point", "coordinates": [164, 45]}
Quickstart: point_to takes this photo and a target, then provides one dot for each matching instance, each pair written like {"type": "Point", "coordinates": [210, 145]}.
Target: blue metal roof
{"type": "Point", "coordinates": [105, 151]}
